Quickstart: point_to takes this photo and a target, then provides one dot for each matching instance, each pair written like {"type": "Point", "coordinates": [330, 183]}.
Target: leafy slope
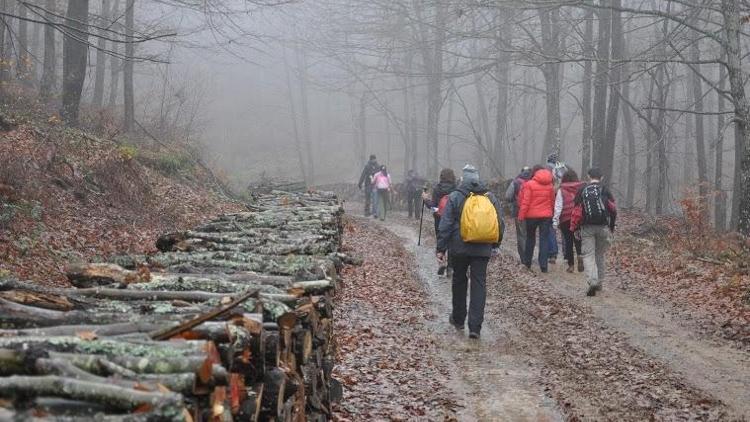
{"type": "Point", "coordinates": [67, 196]}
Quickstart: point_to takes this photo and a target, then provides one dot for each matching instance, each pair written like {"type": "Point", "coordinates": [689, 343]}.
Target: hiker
{"type": "Point", "coordinates": [593, 221]}
{"type": "Point", "coordinates": [536, 208]}
{"type": "Point", "coordinates": [414, 185]}
{"type": "Point", "coordinates": [436, 201]}
{"type": "Point", "coordinates": [470, 230]}
{"type": "Point", "coordinates": [511, 197]}
{"type": "Point", "coordinates": [365, 179]}
{"type": "Point", "coordinates": [564, 204]}
{"type": "Point", "coordinates": [381, 181]}
{"type": "Point", "coordinates": [558, 170]}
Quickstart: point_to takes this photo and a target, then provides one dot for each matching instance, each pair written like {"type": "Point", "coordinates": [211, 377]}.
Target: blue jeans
{"type": "Point", "coordinates": [544, 225]}
{"type": "Point", "coordinates": [552, 243]}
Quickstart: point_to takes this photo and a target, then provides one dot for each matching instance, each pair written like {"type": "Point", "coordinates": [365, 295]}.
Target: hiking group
{"type": "Point", "coordinates": [469, 226]}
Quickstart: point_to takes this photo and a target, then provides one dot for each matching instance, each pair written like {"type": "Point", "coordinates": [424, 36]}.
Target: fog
{"type": "Point", "coordinates": [653, 93]}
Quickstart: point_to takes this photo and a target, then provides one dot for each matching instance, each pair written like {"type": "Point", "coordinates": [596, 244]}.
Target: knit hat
{"type": "Point", "coordinates": [470, 173]}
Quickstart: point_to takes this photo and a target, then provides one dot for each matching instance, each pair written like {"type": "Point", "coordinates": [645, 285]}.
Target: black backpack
{"type": "Point", "coordinates": [594, 210]}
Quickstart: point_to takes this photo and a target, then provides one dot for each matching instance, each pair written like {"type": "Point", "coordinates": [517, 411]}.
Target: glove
{"type": "Point", "coordinates": [495, 252]}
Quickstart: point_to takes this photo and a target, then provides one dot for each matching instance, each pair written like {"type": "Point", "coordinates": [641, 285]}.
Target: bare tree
{"type": "Point", "coordinates": [75, 54]}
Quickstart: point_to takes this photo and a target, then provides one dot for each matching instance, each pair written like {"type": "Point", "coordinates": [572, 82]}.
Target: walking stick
{"type": "Point", "coordinates": [421, 217]}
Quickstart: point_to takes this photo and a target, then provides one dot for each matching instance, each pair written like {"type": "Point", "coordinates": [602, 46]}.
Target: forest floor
{"type": "Point", "coordinates": [68, 195]}
{"type": "Point", "coordinates": [547, 351]}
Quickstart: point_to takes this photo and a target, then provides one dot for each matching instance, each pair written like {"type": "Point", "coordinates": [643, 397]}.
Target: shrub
{"type": "Point", "coordinates": [127, 152]}
{"type": "Point", "coordinates": [173, 163]}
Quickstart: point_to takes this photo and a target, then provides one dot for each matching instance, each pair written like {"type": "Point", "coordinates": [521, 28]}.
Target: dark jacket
{"type": "Point", "coordinates": [511, 194]}
{"type": "Point", "coordinates": [413, 184]}
{"type": "Point", "coordinates": [577, 219]}
{"type": "Point", "coordinates": [449, 233]}
{"type": "Point", "coordinates": [439, 191]}
{"type": "Point", "coordinates": [370, 168]}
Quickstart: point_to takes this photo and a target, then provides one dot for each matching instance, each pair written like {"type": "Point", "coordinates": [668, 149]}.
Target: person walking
{"type": "Point", "coordinates": [365, 180]}
{"type": "Point", "coordinates": [537, 203]}
{"type": "Point", "coordinates": [436, 201]}
{"type": "Point", "coordinates": [413, 186]}
{"type": "Point", "coordinates": [470, 229]}
{"type": "Point", "coordinates": [381, 181]}
{"type": "Point", "coordinates": [558, 169]}
{"type": "Point", "coordinates": [593, 221]}
{"type": "Point", "coordinates": [564, 204]}
{"type": "Point", "coordinates": [511, 197]}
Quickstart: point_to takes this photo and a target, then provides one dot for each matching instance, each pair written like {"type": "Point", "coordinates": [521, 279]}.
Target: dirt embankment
{"type": "Point", "coordinates": [67, 195]}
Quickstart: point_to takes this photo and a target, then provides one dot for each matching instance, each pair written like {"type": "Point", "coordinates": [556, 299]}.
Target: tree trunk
{"type": "Point", "coordinates": [601, 82]}
{"type": "Point", "coordinates": [588, 46]}
{"type": "Point", "coordinates": [115, 64]}
{"type": "Point", "coordinates": [128, 94]}
{"type": "Point", "coordinates": [606, 146]}
{"type": "Point", "coordinates": [22, 46]}
{"type": "Point", "coordinates": [293, 114]}
{"type": "Point", "coordinates": [741, 198]}
{"type": "Point", "coordinates": [720, 198]}
{"type": "Point", "coordinates": [4, 49]}
{"type": "Point", "coordinates": [550, 44]}
{"type": "Point", "coordinates": [101, 57]}
{"type": "Point", "coordinates": [700, 147]}
{"type": "Point", "coordinates": [502, 69]}
{"type": "Point", "coordinates": [305, 111]}
{"type": "Point", "coordinates": [75, 55]}
{"type": "Point", "coordinates": [49, 67]}
{"type": "Point", "coordinates": [627, 119]}
{"type": "Point", "coordinates": [362, 124]}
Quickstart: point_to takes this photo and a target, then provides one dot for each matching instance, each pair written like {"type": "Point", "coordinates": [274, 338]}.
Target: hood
{"type": "Point", "coordinates": [474, 186]}
{"type": "Point", "coordinates": [444, 188]}
{"type": "Point", "coordinates": [525, 175]}
{"type": "Point", "coordinates": [543, 177]}
{"type": "Point", "coordinates": [571, 187]}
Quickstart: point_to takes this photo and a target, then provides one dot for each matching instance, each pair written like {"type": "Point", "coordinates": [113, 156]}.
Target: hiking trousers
{"type": "Point", "coordinates": [570, 243]}
{"type": "Point", "coordinates": [476, 266]}
{"type": "Point", "coordinates": [383, 203]}
{"type": "Point", "coordinates": [595, 241]}
{"type": "Point", "coordinates": [373, 201]}
{"type": "Point", "coordinates": [544, 225]}
{"type": "Point", "coordinates": [521, 239]}
{"type": "Point", "coordinates": [413, 201]}
{"type": "Point", "coordinates": [368, 201]}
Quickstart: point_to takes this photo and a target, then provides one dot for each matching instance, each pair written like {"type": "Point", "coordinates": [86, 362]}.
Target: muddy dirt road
{"type": "Point", "coordinates": [547, 352]}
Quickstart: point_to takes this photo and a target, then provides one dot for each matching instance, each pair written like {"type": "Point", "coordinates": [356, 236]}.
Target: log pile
{"type": "Point", "coordinates": [231, 321]}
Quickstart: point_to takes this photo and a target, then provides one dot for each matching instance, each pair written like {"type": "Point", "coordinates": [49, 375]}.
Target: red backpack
{"type": "Point", "coordinates": [441, 205]}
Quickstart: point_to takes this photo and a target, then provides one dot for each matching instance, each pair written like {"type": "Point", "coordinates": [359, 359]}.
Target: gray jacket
{"type": "Point", "coordinates": [449, 232]}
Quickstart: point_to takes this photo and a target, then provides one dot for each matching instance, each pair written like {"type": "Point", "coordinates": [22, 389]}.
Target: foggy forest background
{"type": "Point", "coordinates": [651, 91]}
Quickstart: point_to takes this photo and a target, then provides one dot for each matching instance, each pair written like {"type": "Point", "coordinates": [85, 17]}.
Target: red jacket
{"type": "Point", "coordinates": [569, 191]}
{"type": "Point", "coordinates": [537, 197]}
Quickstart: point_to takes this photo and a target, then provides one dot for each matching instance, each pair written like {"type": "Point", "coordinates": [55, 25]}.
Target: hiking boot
{"type": "Point", "coordinates": [580, 264]}
{"type": "Point", "coordinates": [592, 290]}
{"type": "Point", "coordinates": [453, 323]}
{"type": "Point", "coordinates": [570, 269]}
{"type": "Point", "coordinates": [474, 335]}
{"type": "Point", "coordinates": [545, 271]}
{"type": "Point", "coordinates": [552, 260]}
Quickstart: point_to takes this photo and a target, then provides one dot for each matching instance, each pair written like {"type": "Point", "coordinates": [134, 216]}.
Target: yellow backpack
{"type": "Point", "coordinates": [479, 222]}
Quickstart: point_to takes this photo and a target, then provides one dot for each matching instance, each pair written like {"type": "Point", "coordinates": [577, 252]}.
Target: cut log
{"type": "Point", "coordinates": [89, 275]}
{"type": "Point", "coordinates": [107, 394]}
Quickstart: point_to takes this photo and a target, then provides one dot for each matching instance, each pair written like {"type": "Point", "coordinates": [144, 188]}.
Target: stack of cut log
{"type": "Point", "coordinates": [231, 321]}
